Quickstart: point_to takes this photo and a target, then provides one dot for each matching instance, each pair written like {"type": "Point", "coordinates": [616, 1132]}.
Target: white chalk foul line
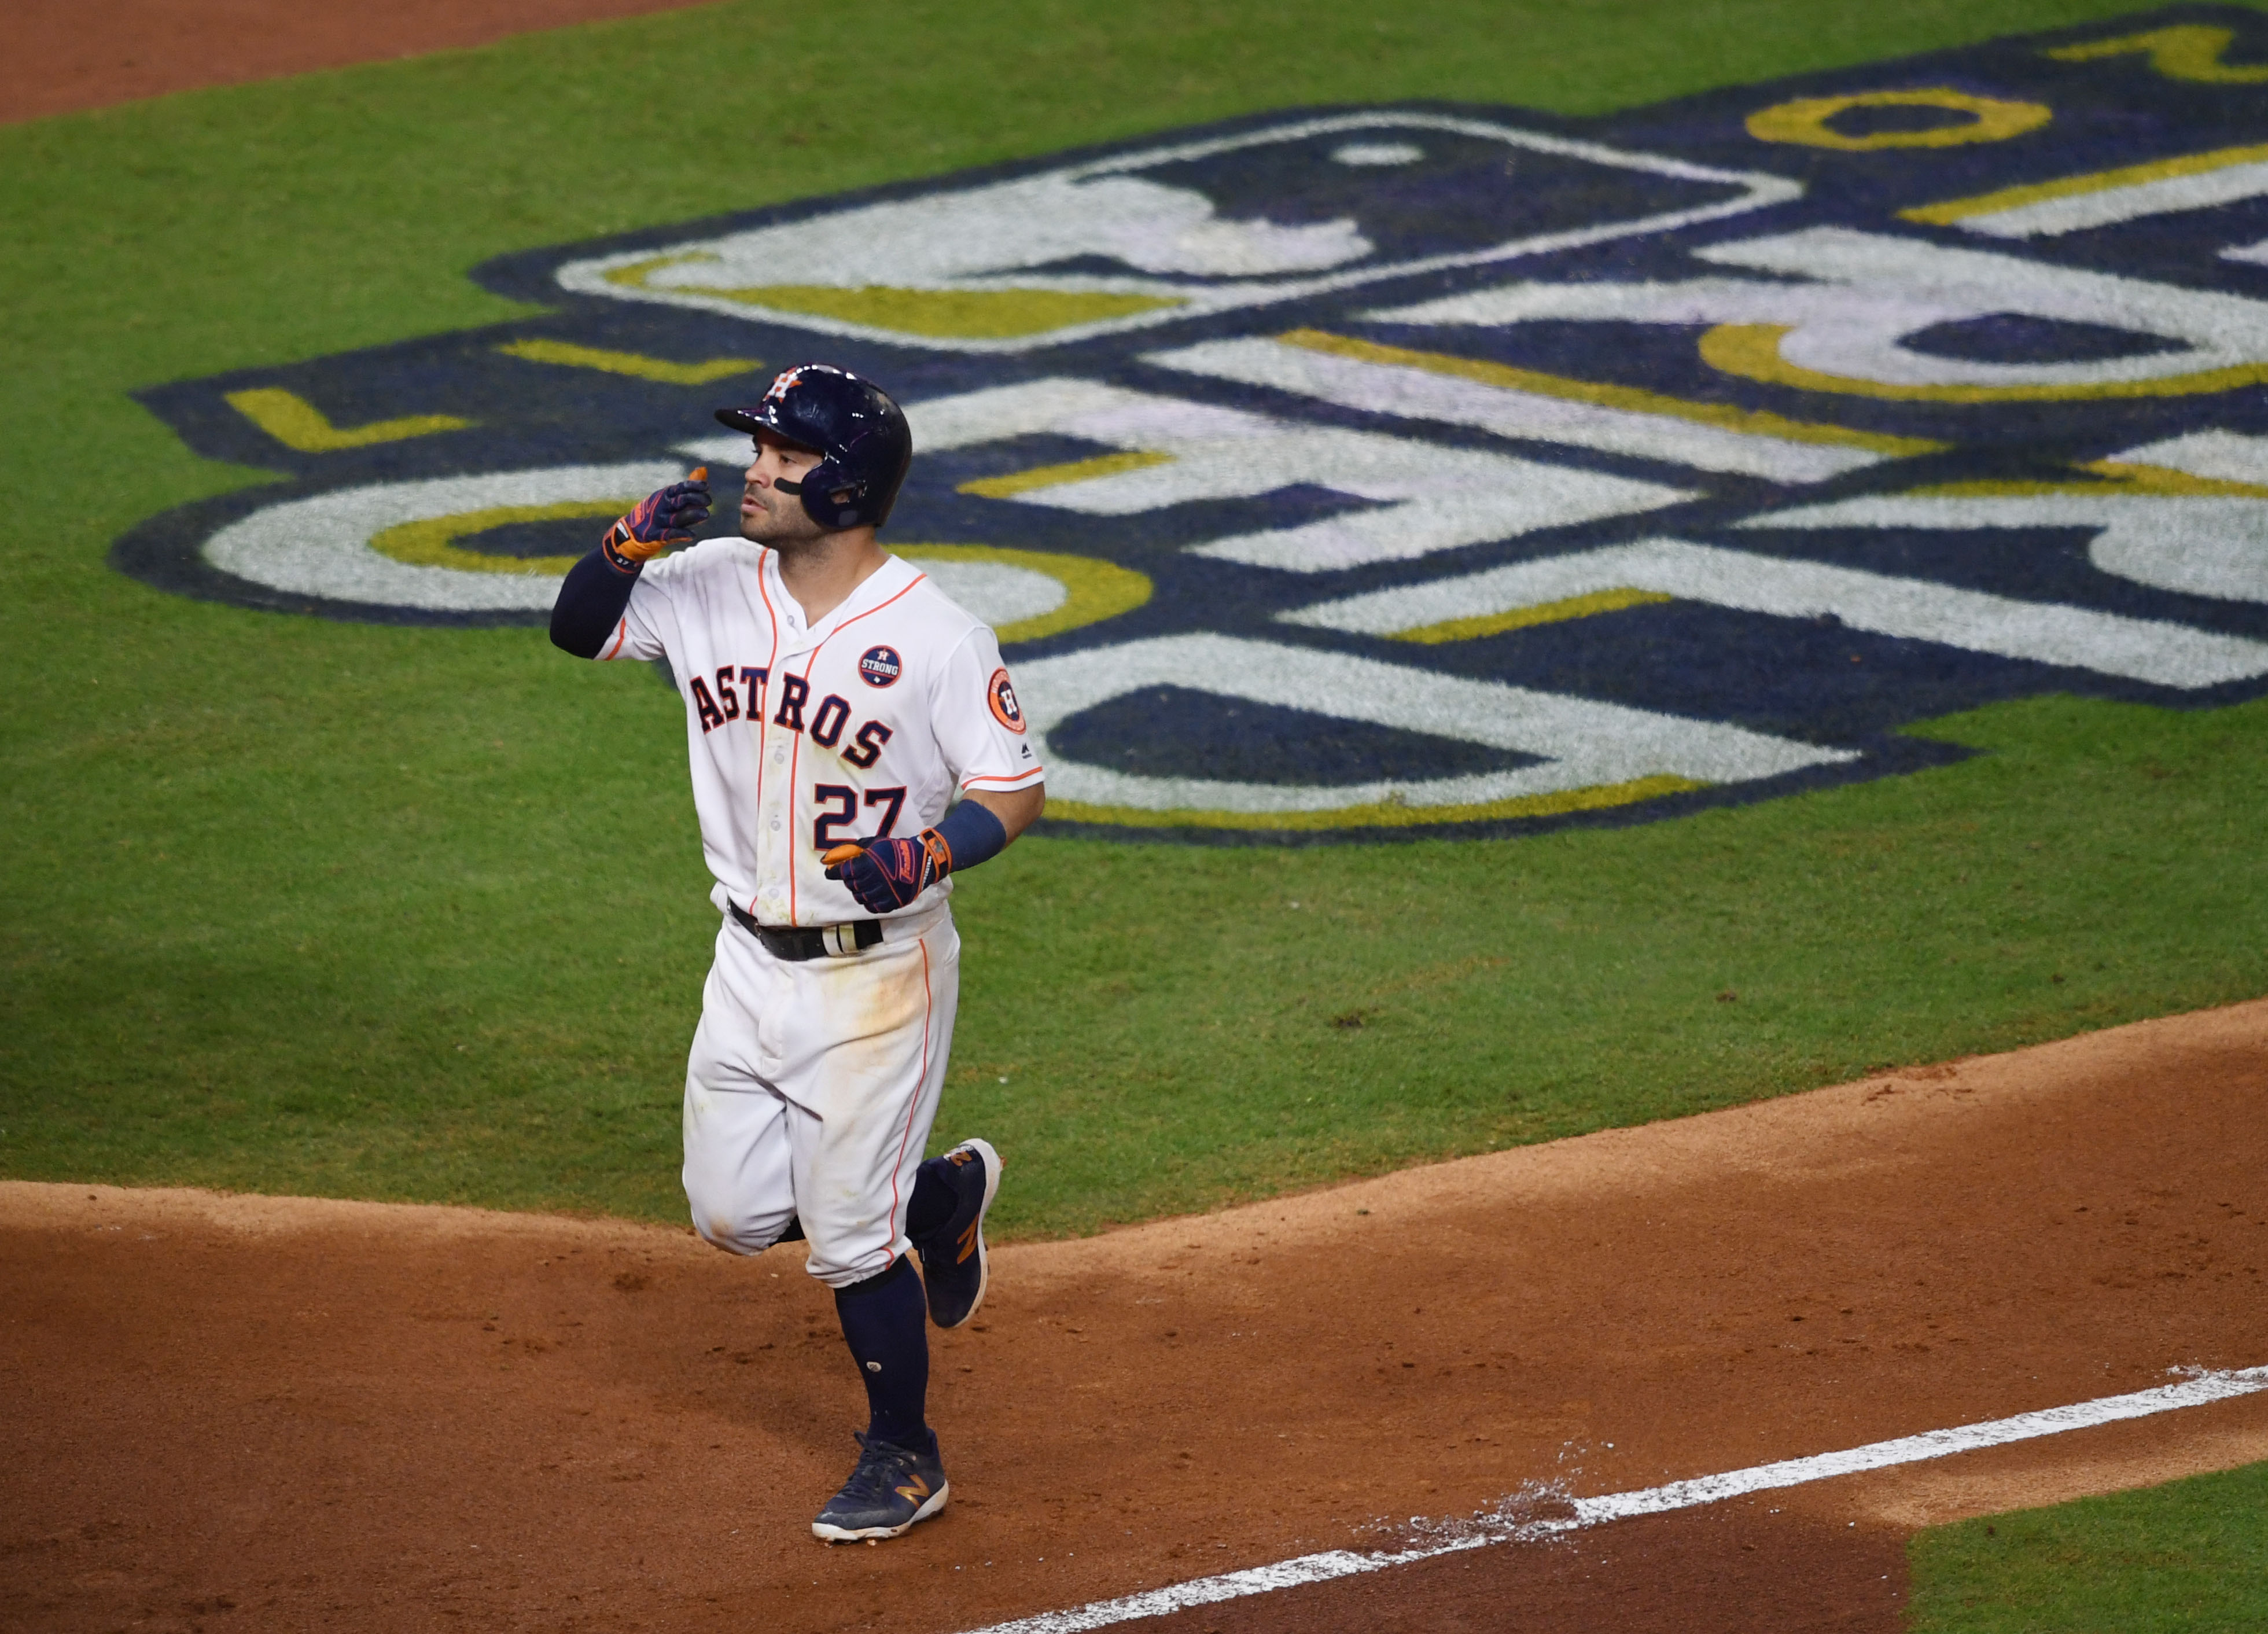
{"type": "Point", "coordinates": [1341, 1563]}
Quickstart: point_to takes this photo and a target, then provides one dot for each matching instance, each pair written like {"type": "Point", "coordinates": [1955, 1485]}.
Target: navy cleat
{"type": "Point", "coordinates": [892, 1488]}
{"type": "Point", "coordinates": [952, 1257]}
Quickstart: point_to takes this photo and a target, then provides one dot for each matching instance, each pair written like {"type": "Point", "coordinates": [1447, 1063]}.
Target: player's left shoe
{"type": "Point", "coordinates": [892, 1488]}
{"type": "Point", "coordinates": [953, 1271]}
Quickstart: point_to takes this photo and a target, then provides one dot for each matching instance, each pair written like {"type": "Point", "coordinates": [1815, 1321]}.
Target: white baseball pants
{"type": "Point", "coordinates": [810, 1092]}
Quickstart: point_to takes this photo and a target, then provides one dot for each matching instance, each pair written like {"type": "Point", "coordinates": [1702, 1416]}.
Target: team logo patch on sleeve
{"type": "Point", "coordinates": [880, 667]}
{"type": "Point", "coordinates": [1002, 698]}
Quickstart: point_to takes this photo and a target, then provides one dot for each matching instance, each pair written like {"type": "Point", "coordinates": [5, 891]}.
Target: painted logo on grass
{"type": "Point", "coordinates": [1427, 469]}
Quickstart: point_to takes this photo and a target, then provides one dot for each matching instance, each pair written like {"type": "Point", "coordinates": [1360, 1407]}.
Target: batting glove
{"type": "Point", "coordinates": [884, 875]}
{"type": "Point", "coordinates": [663, 518]}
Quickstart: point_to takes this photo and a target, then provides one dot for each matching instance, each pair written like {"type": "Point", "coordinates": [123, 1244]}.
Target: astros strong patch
{"type": "Point", "coordinates": [1413, 469]}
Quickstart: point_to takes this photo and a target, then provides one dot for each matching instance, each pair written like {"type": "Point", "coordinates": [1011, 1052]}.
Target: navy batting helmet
{"type": "Point", "coordinates": [859, 434]}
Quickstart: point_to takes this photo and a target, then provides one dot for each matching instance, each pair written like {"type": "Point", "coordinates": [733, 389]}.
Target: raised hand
{"type": "Point", "coordinates": [663, 518]}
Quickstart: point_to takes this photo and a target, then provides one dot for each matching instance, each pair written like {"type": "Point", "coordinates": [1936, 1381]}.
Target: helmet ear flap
{"type": "Point", "coordinates": [831, 496]}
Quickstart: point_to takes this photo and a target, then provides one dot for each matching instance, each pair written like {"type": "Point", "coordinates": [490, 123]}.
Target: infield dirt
{"type": "Point", "coordinates": [64, 55]}
{"type": "Point", "coordinates": [325, 1414]}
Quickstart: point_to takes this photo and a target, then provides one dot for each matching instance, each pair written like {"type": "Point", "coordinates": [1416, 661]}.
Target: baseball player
{"type": "Point", "coordinates": [835, 703]}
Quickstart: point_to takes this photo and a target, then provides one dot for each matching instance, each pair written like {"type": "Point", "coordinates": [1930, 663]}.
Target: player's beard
{"type": "Point", "coordinates": [783, 524]}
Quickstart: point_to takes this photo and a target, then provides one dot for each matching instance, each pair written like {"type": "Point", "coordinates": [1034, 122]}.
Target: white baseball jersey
{"type": "Point", "coordinates": [803, 736]}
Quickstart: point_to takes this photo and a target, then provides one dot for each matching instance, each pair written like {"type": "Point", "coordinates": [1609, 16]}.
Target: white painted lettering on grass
{"type": "Point", "coordinates": [323, 545]}
{"type": "Point", "coordinates": [1427, 497]}
{"type": "Point", "coordinates": [2157, 651]}
{"type": "Point", "coordinates": [1579, 742]}
{"type": "Point", "coordinates": [1341, 1563]}
{"type": "Point", "coordinates": [1852, 298]}
{"type": "Point", "coordinates": [2195, 544]}
{"type": "Point", "coordinates": [1418, 394]}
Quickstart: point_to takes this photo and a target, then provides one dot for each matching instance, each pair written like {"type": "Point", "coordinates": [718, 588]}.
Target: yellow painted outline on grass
{"type": "Point", "coordinates": [294, 421]}
{"type": "Point", "coordinates": [1096, 590]}
{"type": "Point", "coordinates": [951, 314]}
{"type": "Point", "coordinates": [2191, 51]}
{"type": "Point", "coordinates": [1057, 475]}
{"type": "Point", "coordinates": [1804, 120]}
{"type": "Point", "coordinates": [636, 365]}
{"type": "Point", "coordinates": [1751, 351]}
{"type": "Point", "coordinates": [1482, 624]}
{"type": "Point", "coordinates": [2118, 478]}
{"type": "Point", "coordinates": [939, 314]}
{"type": "Point", "coordinates": [1749, 421]}
{"type": "Point", "coordinates": [2160, 479]}
{"type": "Point", "coordinates": [431, 541]}
{"type": "Point", "coordinates": [634, 277]}
{"type": "Point", "coordinates": [1384, 813]}
{"type": "Point", "coordinates": [1953, 211]}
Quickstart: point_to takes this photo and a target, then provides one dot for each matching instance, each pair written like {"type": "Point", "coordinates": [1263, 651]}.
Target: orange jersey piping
{"type": "Point", "coordinates": [763, 731]}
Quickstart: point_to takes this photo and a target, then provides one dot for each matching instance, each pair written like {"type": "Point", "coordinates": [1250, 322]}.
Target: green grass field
{"type": "Point", "coordinates": [311, 907]}
{"type": "Point", "coordinates": [2189, 1558]}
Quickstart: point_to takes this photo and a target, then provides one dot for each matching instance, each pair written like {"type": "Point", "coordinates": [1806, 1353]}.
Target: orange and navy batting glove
{"type": "Point", "coordinates": [663, 518]}
{"type": "Point", "coordinates": [887, 874]}
{"type": "Point", "coordinates": [884, 875]}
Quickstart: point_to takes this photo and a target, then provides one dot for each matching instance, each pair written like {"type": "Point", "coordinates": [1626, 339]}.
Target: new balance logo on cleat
{"type": "Point", "coordinates": [892, 1489]}
{"type": "Point", "coordinates": [954, 1270]}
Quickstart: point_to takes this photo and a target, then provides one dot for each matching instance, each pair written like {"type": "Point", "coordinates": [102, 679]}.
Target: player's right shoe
{"type": "Point", "coordinates": [892, 1488]}
{"type": "Point", "coordinates": [952, 1257]}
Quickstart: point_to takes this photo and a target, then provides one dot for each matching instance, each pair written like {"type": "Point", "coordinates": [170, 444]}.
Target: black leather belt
{"type": "Point", "coordinates": [796, 943]}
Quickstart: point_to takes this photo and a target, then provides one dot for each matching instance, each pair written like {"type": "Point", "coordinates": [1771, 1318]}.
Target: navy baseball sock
{"type": "Point", "coordinates": [885, 1321]}
{"type": "Point", "coordinates": [932, 1203]}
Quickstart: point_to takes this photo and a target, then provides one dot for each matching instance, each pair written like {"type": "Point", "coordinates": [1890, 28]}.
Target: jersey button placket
{"type": "Point", "coordinates": [772, 887]}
